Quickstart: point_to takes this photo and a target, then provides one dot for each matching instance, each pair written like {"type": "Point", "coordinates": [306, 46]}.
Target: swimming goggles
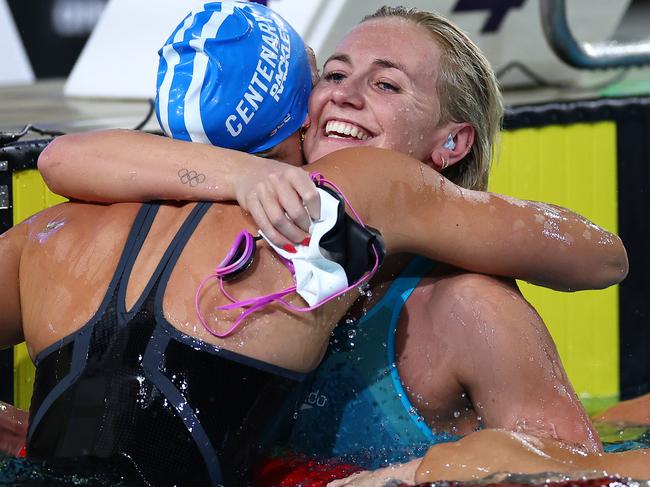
{"type": "Point", "coordinates": [356, 247]}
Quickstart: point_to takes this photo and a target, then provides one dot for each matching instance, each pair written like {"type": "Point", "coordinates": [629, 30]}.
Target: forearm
{"type": "Point", "coordinates": [486, 452]}
{"type": "Point", "coordinates": [536, 242]}
{"type": "Point", "coordinates": [396, 474]}
{"type": "Point", "coordinates": [419, 211]}
{"type": "Point", "coordinates": [122, 165]}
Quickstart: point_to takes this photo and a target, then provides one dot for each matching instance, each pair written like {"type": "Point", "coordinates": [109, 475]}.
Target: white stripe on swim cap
{"type": "Point", "coordinates": [192, 109]}
{"type": "Point", "coordinates": [172, 58]}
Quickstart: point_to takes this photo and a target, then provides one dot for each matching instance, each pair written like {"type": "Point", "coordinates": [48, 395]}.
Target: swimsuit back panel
{"type": "Point", "coordinates": [129, 388]}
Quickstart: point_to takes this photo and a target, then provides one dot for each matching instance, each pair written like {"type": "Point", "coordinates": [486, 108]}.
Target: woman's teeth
{"type": "Point", "coordinates": [343, 130]}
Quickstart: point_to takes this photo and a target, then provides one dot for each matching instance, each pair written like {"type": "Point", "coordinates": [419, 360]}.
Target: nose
{"type": "Point", "coordinates": [348, 93]}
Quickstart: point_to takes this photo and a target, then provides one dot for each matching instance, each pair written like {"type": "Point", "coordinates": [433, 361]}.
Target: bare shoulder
{"type": "Point", "coordinates": [467, 306]}
{"type": "Point", "coordinates": [468, 292]}
{"type": "Point", "coordinates": [74, 214]}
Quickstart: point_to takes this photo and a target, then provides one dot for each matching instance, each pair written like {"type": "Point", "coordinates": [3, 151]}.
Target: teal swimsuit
{"type": "Point", "coordinates": [357, 407]}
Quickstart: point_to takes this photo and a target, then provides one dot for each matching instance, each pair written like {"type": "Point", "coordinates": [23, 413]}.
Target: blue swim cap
{"type": "Point", "coordinates": [233, 74]}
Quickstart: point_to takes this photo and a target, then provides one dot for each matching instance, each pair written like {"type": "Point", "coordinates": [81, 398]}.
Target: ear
{"type": "Point", "coordinates": [445, 155]}
{"type": "Point", "coordinates": [313, 66]}
{"type": "Point", "coordinates": [306, 124]}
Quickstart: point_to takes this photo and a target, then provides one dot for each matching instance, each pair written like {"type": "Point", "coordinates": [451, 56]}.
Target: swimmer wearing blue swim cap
{"type": "Point", "coordinates": [235, 75]}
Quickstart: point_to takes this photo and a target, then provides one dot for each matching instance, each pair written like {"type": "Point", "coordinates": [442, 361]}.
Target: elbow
{"type": "Point", "coordinates": [606, 267]}
{"type": "Point", "coordinates": [613, 268]}
{"type": "Point", "coordinates": [50, 162]}
{"type": "Point", "coordinates": [53, 161]}
{"type": "Point", "coordinates": [619, 265]}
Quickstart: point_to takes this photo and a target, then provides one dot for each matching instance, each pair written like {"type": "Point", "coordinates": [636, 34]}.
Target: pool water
{"type": "Point", "coordinates": [22, 472]}
{"type": "Point", "coordinates": [16, 472]}
{"type": "Point", "coordinates": [617, 437]}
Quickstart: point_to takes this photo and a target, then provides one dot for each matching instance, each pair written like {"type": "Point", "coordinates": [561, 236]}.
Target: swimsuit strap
{"type": "Point", "coordinates": [167, 261]}
{"type": "Point", "coordinates": [401, 288]}
{"type": "Point", "coordinates": [411, 276]}
{"type": "Point", "coordinates": [137, 235]}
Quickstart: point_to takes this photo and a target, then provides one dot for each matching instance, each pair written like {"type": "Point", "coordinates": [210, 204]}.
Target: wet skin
{"type": "Point", "coordinates": [391, 99]}
{"type": "Point", "coordinates": [58, 263]}
{"type": "Point", "coordinates": [491, 451]}
{"type": "Point", "coordinates": [470, 350]}
{"type": "Point", "coordinates": [370, 86]}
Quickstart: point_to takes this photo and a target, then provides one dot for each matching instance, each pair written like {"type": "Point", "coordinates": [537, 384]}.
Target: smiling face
{"type": "Point", "coordinates": [378, 89]}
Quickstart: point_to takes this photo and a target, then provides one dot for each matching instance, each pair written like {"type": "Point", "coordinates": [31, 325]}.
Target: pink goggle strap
{"type": "Point", "coordinates": [226, 267]}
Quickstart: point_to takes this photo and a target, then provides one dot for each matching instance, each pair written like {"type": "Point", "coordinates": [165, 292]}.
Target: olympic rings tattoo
{"type": "Point", "coordinates": [191, 177]}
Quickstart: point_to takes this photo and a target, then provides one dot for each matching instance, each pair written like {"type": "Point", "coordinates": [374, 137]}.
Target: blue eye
{"type": "Point", "coordinates": [334, 76]}
{"type": "Point", "coordinates": [385, 86]}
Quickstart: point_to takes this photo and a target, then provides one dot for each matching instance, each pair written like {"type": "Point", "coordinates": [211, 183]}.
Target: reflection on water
{"type": "Point", "coordinates": [617, 437]}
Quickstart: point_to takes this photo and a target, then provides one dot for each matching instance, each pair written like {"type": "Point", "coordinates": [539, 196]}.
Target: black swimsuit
{"type": "Point", "coordinates": [129, 387]}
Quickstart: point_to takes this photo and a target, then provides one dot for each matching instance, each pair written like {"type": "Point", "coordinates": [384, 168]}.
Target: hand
{"type": "Point", "coordinates": [282, 199]}
{"type": "Point", "coordinates": [394, 475]}
{"type": "Point", "coordinates": [13, 429]}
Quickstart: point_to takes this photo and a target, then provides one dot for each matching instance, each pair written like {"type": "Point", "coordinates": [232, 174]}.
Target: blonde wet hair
{"type": "Point", "coordinates": [467, 88]}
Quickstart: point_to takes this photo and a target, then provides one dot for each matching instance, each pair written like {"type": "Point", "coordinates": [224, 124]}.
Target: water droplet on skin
{"type": "Point", "coordinates": [456, 414]}
{"type": "Point", "coordinates": [352, 333]}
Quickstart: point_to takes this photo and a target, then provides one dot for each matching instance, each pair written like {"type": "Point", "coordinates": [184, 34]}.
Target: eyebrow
{"type": "Point", "coordinates": [382, 63]}
{"type": "Point", "coordinates": [339, 57]}
{"type": "Point", "coordinates": [386, 63]}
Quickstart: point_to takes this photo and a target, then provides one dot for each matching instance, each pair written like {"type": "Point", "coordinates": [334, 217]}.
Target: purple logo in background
{"type": "Point", "coordinates": [498, 9]}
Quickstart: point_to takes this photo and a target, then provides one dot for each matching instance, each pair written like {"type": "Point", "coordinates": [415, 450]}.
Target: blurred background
{"type": "Point", "coordinates": [54, 32]}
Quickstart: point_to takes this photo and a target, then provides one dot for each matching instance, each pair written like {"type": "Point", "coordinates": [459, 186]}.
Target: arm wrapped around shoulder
{"type": "Point", "coordinates": [418, 210]}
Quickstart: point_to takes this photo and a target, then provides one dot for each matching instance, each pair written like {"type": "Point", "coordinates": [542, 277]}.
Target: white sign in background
{"type": "Point", "coordinates": [15, 68]}
{"type": "Point", "coordinates": [120, 59]}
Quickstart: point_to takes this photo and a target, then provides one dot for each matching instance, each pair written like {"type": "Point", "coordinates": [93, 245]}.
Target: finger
{"type": "Point", "coordinates": [293, 207]}
{"type": "Point", "coordinates": [277, 216]}
{"type": "Point", "coordinates": [259, 215]}
{"type": "Point", "coordinates": [308, 193]}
